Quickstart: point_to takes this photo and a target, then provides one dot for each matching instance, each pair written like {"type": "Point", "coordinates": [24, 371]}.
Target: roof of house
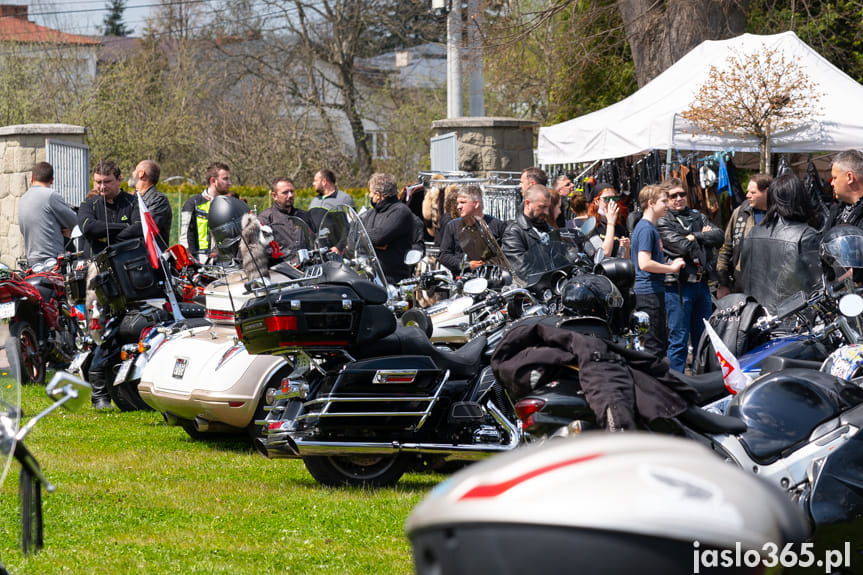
{"type": "Point", "coordinates": [15, 27]}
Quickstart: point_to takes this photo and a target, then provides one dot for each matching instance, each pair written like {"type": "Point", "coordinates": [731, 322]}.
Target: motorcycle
{"type": "Point", "coordinates": [368, 400]}
{"type": "Point", "coordinates": [67, 391]}
{"type": "Point", "coordinates": [42, 324]}
{"type": "Point", "coordinates": [200, 376]}
{"type": "Point", "coordinates": [606, 504]}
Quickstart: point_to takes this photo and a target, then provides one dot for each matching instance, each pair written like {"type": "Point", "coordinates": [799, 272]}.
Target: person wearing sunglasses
{"type": "Point", "coordinates": [687, 234]}
{"type": "Point", "coordinates": [610, 233]}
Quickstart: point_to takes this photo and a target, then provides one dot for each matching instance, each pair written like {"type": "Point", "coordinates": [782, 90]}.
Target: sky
{"type": "Point", "coordinates": [84, 16]}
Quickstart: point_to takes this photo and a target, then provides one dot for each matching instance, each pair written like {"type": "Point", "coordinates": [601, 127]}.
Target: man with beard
{"type": "Point", "coordinates": [526, 237]}
{"type": "Point", "coordinates": [194, 228]}
{"type": "Point", "coordinates": [328, 196]}
{"type": "Point", "coordinates": [280, 216]}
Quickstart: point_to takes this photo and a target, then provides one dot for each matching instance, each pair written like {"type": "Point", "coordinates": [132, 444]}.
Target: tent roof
{"type": "Point", "coordinates": [650, 118]}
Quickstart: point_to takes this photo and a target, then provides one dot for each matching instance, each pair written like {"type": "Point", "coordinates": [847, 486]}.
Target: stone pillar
{"type": "Point", "coordinates": [22, 146]}
{"type": "Point", "coordinates": [488, 144]}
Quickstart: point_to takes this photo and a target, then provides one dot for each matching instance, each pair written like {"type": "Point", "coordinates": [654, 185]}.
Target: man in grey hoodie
{"type": "Point", "coordinates": [45, 220]}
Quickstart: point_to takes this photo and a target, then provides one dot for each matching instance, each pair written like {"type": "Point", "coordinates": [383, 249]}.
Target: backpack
{"type": "Point", "coordinates": [733, 320]}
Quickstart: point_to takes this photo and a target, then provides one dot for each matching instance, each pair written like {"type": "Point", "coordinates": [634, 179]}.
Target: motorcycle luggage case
{"type": "Point", "coordinates": [127, 266]}
{"type": "Point", "coordinates": [76, 286]}
{"type": "Point", "coordinates": [315, 316]}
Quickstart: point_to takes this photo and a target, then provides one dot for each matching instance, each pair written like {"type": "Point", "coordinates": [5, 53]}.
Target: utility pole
{"type": "Point", "coordinates": [454, 103]}
{"type": "Point", "coordinates": [476, 91]}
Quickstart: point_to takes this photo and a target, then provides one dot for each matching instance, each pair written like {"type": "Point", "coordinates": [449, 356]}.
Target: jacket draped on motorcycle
{"type": "Point", "coordinates": [779, 261]}
{"type": "Point", "coordinates": [617, 382]}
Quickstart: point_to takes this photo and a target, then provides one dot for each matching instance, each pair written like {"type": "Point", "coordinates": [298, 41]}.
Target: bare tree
{"type": "Point", "coordinates": [754, 95]}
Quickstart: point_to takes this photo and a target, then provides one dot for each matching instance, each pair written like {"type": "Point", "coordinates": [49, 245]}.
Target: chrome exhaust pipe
{"type": "Point", "coordinates": [170, 418]}
{"type": "Point", "coordinates": [205, 426]}
{"type": "Point", "coordinates": [452, 452]}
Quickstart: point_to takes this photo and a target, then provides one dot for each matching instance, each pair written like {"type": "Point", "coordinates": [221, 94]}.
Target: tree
{"type": "Point", "coordinates": [113, 24]}
{"type": "Point", "coordinates": [754, 95]}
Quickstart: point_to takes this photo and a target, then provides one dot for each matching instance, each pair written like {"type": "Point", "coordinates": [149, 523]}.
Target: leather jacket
{"type": "Point", "coordinates": [521, 244]}
{"type": "Point", "coordinates": [700, 254]}
{"type": "Point", "coordinates": [390, 225]}
{"type": "Point", "coordinates": [779, 260]}
{"type": "Point", "coordinates": [728, 263]}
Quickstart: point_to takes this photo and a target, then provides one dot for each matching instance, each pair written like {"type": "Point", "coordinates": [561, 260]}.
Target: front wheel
{"type": "Point", "coordinates": [357, 471]}
{"type": "Point", "coordinates": [22, 352]}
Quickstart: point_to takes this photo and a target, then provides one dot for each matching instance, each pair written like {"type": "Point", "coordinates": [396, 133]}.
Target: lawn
{"type": "Point", "coordinates": [136, 496]}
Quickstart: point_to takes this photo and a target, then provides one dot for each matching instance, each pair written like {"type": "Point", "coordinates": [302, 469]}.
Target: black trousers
{"type": "Point", "coordinates": [655, 340]}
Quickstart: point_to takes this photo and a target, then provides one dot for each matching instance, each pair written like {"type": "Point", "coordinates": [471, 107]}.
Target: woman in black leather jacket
{"type": "Point", "coordinates": [780, 255]}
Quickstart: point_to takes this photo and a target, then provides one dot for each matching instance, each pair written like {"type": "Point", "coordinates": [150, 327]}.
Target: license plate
{"type": "Point", "coordinates": [75, 366]}
{"type": "Point", "coordinates": [7, 310]}
{"type": "Point", "coordinates": [180, 367]}
{"type": "Point", "coordinates": [123, 371]}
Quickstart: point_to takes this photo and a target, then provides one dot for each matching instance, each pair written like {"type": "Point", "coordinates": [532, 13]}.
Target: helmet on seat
{"type": "Point", "coordinates": [591, 295]}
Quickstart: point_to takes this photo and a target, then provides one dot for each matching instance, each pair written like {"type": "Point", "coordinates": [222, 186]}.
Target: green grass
{"type": "Point", "coordinates": [136, 496]}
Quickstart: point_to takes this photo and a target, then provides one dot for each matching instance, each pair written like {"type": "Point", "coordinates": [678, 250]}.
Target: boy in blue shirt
{"type": "Point", "coordinates": [650, 270]}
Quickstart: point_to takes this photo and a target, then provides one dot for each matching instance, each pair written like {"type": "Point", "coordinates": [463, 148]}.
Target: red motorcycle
{"type": "Point", "coordinates": [42, 324]}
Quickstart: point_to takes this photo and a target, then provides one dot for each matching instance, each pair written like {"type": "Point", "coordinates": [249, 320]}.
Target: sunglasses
{"type": "Point", "coordinates": [677, 195]}
{"type": "Point", "coordinates": [607, 199]}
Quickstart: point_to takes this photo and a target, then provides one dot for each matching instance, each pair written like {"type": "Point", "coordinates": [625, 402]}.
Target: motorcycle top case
{"type": "Point", "coordinates": [315, 316]}
{"type": "Point", "coordinates": [125, 274]}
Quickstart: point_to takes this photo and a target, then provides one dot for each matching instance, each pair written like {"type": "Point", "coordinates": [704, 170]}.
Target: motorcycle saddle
{"type": "Point", "coordinates": [708, 422]}
{"type": "Point", "coordinates": [462, 363]}
{"type": "Point", "coordinates": [44, 285]}
{"type": "Point", "coordinates": [709, 386]}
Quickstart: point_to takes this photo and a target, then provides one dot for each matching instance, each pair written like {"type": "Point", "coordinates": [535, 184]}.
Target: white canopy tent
{"type": "Point", "coordinates": [650, 118]}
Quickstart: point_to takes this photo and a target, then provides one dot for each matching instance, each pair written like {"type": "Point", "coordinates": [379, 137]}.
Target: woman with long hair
{"type": "Point", "coordinates": [610, 233]}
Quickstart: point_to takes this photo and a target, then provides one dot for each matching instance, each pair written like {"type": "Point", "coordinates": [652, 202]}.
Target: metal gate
{"type": "Point", "coordinates": [71, 164]}
{"type": "Point", "coordinates": [444, 153]}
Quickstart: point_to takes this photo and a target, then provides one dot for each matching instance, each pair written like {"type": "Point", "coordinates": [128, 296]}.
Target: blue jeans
{"type": "Point", "coordinates": [687, 305]}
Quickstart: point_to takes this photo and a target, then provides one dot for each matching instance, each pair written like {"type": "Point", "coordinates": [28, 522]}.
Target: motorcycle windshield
{"type": "Point", "coordinates": [343, 235]}
{"type": "Point", "coordinates": [479, 244]}
{"type": "Point", "coordinates": [293, 237]}
{"type": "Point", "coordinates": [555, 251]}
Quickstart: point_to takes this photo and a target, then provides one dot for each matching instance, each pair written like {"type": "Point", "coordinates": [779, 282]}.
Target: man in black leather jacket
{"type": "Point", "coordinates": [459, 232]}
{"type": "Point", "coordinates": [390, 225]}
{"type": "Point", "coordinates": [525, 237]}
{"type": "Point", "coordinates": [846, 175]}
{"type": "Point", "coordinates": [780, 255]}
{"type": "Point", "coordinates": [687, 234]}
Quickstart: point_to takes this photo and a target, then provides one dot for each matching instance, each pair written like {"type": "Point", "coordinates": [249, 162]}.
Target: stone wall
{"type": "Point", "coordinates": [22, 146]}
{"type": "Point", "coordinates": [487, 144]}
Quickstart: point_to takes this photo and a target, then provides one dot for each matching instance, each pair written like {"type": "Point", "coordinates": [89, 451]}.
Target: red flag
{"type": "Point", "coordinates": [150, 231]}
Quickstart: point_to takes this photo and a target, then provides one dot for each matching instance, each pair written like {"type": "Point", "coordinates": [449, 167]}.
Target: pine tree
{"type": "Point", "coordinates": [113, 22]}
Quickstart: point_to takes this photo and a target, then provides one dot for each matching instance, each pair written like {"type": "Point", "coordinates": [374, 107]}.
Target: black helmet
{"type": "Point", "coordinates": [225, 223]}
{"type": "Point", "coordinates": [591, 295]}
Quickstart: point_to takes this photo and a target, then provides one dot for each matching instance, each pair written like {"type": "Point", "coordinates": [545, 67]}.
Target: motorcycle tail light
{"type": "Point", "coordinates": [142, 347]}
{"type": "Point", "coordinates": [282, 323]}
{"type": "Point", "coordinates": [526, 407]}
{"type": "Point", "coordinates": [124, 356]}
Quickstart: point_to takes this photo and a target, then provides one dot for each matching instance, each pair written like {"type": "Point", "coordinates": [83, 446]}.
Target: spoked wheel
{"type": "Point", "coordinates": [22, 351]}
{"type": "Point", "coordinates": [357, 471]}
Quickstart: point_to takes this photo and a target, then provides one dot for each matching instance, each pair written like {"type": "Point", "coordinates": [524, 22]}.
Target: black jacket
{"type": "Point", "coordinates": [284, 232]}
{"type": "Point", "coordinates": [523, 247]}
{"type": "Point", "coordinates": [780, 260]}
{"type": "Point", "coordinates": [700, 254]}
{"type": "Point", "coordinates": [390, 225]}
{"type": "Point", "coordinates": [101, 222]}
{"type": "Point", "coordinates": [616, 381]}
{"type": "Point", "coordinates": [451, 251]}
{"type": "Point", "coordinates": [842, 213]}
{"type": "Point", "coordinates": [160, 210]}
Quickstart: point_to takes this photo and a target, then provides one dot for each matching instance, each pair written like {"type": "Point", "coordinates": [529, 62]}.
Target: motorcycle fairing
{"type": "Point", "coordinates": [782, 409]}
{"type": "Point", "coordinates": [796, 346]}
{"type": "Point", "coordinates": [837, 493]}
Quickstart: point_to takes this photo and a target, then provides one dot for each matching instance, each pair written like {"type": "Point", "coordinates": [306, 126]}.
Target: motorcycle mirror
{"type": "Point", "coordinates": [598, 256]}
{"type": "Point", "coordinates": [460, 304]}
{"type": "Point", "coordinates": [413, 257]}
{"type": "Point", "coordinates": [69, 391]}
{"type": "Point", "coordinates": [475, 286]}
{"type": "Point", "coordinates": [588, 226]}
{"type": "Point", "coordinates": [851, 305]}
